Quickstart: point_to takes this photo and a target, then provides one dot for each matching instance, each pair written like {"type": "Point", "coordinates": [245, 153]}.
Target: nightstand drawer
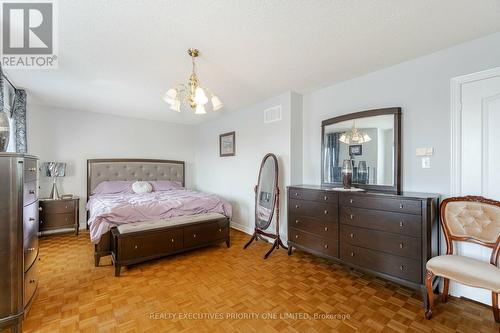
{"type": "Point", "coordinates": [30, 251]}
{"type": "Point", "coordinates": [56, 221]}
{"type": "Point", "coordinates": [30, 283]}
{"type": "Point", "coordinates": [58, 206]}
{"type": "Point", "coordinates": [30, 193]}
{"type": "Point", "coordinates": [30, 170]}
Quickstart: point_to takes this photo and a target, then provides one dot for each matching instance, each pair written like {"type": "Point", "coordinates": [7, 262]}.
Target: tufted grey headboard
{"type": "Point", "coordinates": [99, 170]}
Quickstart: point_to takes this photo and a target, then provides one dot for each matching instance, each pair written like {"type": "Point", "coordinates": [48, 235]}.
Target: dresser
{"type": "Point", "coordinates": [59, 215]}
{"type": "Point", "coordinates": [388, 235]}
{"type": "Point", "coordinates": [18, 237]}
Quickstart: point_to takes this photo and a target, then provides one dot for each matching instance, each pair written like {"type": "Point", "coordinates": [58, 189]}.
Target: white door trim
{"type": "Point", "coordinates": [456, 124]}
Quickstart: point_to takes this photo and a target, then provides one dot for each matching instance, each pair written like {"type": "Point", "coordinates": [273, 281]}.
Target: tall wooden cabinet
{"type": "Point", "coordinates": [18, 236]}
{"type": "Point", "coordinates": [389, 235]}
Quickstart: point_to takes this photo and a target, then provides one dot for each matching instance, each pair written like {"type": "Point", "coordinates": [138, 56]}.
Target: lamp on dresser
{"type": "Point", "coordinates": [54, 170]}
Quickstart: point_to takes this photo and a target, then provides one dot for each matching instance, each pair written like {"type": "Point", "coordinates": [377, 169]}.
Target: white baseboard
{"type": "Point", "coordinates": [240, 227]}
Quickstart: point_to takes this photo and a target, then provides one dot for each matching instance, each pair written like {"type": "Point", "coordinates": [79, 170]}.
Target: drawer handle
{"type": "Point", "coordinates": [220, 229]}
{"type": "Point", "coordinates": [353, 254]}
{"type": "Point", "coordinates": [296, 206]}
{"type": "Point", "coordinates": [296, 221]}
{"type": "Point", "coordinates": [172, 240]}
{"type": "Point", "coordinates": [326, 246]}
{"type": "Point", "coordinates": [351, 235]}
{"type": "Point", "coordinates": [401, 223]}
{"type": "Point", "coordinates": [296, 194]}
{"type": "Point", "coordinates": [135, 247]}
{"type": "Point", "coordinates": [40, 208]}
{"type": "Point", "coordinates": [194, 235]}
{"type": "Point", "coordinates": [31, 191]}
{"type": "Point", "coordinates": [402, 267]}
{"type": "Point", "coordinates": [351, 217]}
{"type": "Point", "coordinates": [401, 245]}
{"type": "Point", "coordinates": [32, 169]}
{"type": "Point", "coordinates": [65, 207]}
{"type": "Point", "coordinates": [32, 219]}
{"type": "Point", "coordinates": [31, 249]}
{"type": "Point", "coordinates": [326, 197]}
{"type": "Point", "coordinates": [326, 212]}
{"type": "Point", "coordinates": [351, 201]}
{"type": "Point", "coordinates": [32, 281]}
{"type": "Point", "coordinates": [401, 206]}
{"type": "Point", "coordinates": [296, 236]}
{"type": "Point", "coordinates": [326, 228]}
{"type": "Point", "coordinates": [65, 219]}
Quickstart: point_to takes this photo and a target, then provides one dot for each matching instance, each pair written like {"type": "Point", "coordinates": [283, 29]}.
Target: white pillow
{"type": "Point", "coordinates": [141, 187]}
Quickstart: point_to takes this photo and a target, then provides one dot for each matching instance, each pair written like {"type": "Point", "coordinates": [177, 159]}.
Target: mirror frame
{"type": "Point", "coordinates": [396, 111]}
{"type": "Point", "coordinates": [275, 193]}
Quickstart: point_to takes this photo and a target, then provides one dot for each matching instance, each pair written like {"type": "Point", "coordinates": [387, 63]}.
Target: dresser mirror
{"type": "Point", "coordinates": [371, 142]}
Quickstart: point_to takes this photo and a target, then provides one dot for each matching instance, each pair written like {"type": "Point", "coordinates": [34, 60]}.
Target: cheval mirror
{"type": "Point", "coordinates": [267, 203]}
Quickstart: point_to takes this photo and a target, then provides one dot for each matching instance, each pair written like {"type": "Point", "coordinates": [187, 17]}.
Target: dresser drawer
{"type": "Point", "coordinates": [314, 226]}
{"type": "Point", "coordinates": [30, 220]}
{"type": "Point", "coordinates": [319, 244]}
{"type": "Point", "coordinates": [30, 193]}
{"type": "Point", "coordinates": [205, 233]}
{"type": "Point", "coordinates": [388, 204]}
{"type": "Point", "coordinates": [401, 267]}
{"type": "Point", "coordinates": [387, 242]}
{"type": "Point", "coordinates": [406, 224]}
{"type": "Point", "coordinates": [30, 251]}
{"type": "Point", "coordinates": [313, 195]}
{"type": "Point", "coordinates": [56, 221]}
{"type": "Point", "coordinates": [142, 246]}
{"type": "Point", "coordinates": [30, 283]}
{"type": "Point", "coordinates": [326, 212]}
{"type": "Point", "coordinates": [30, 170]}
{"type": "Point", "coordinates": [58, 206]}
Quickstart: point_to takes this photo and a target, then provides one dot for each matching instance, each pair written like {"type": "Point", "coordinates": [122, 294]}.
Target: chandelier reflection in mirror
{"type": "Point", "coordinates": [192, 94]}
{"type": "Point", "coordinates": [354, 136]}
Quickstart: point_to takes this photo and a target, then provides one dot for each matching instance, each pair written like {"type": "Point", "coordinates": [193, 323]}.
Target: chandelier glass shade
{"type": "Point", "coordinates": [354, 136]}
{"type": "Point", "coordinates": [192, 94]}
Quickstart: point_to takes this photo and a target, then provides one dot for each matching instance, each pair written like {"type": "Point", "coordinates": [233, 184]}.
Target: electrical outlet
{"type": "Point", "coordinates": [426, 162]}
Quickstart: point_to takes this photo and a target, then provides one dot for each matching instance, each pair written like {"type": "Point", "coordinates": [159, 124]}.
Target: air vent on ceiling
{"type": "Point", "coordinates": [272, 114]}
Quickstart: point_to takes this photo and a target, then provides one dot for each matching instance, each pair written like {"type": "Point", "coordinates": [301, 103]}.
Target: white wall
{"type": "Point", "coordinates": [234, 177]}
{"type": "Point", "coordinates": [422, 88]}
{"type": "Point", "coordinates": [74, 136]}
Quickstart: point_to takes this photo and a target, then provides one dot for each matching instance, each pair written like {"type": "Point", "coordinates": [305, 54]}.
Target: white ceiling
{"type": "Point", "coordinates": [120, 56]}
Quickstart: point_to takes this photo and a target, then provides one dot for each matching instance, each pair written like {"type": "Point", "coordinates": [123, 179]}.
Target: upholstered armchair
{"type": "Point", "coordinates": [467, 219]}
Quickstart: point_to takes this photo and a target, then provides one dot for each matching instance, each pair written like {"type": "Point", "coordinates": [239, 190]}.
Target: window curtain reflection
{"type": "Point", "coordinates": [331, 156]}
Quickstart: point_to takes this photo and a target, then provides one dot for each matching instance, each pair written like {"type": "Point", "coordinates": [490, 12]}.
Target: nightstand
{"type": "Point", "coordinates": [59, 215]}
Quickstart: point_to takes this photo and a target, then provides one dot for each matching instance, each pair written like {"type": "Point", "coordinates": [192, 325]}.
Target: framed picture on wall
{"type": "Point", "coordinates": [355, 150]}
{"type": "Point", "coordinates": [227, 144]}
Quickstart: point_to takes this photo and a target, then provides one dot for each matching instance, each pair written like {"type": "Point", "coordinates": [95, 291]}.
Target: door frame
{"type": "Point", "coordinates": [456, 124]}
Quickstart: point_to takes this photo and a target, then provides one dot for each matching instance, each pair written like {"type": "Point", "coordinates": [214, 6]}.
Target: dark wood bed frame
{"type": "Point", "coordinates": [131, 248]}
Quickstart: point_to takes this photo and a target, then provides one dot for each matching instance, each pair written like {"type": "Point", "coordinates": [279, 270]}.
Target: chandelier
{"type": "Point", "coordinates": [192, 93]}
{"type": "Point", "coordinates": [354, 136]}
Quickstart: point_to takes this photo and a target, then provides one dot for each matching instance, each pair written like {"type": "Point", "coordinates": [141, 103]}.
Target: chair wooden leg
{"type": "Point", "coordinates": [494, 305]}
{"type": "Point", "coordinates": [430, 294]}
{"type": "Point", "coordinates": [446, 287]}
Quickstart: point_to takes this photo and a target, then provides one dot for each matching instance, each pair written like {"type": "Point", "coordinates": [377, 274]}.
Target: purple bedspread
{"type": "Point", "coordinates": [109, 210]}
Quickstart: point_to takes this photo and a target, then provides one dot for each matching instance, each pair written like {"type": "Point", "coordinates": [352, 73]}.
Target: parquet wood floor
{"type": "Point", "coordinates": [74, 295]}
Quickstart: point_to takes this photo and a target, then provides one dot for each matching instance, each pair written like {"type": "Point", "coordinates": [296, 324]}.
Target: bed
{"type": "Point", "coordinates": [146, 222]}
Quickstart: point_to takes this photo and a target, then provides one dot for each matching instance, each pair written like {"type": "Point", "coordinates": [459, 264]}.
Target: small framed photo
{"type": "Point", "coordinates": [356, 150]}
{"type": "Point", "coordinates": [227, 144]}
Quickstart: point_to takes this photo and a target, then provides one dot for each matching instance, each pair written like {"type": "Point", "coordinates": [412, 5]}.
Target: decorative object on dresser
{"type": "Point", "coordinates": [267, 203]}
{"type": "Point", "coordinates": [467, 219]}
{"type": "Point", "coordinates": [389, 235]}
{"type": "Point", "coordinates": [54, 170]}
{"type": "Point", "coordinates": [378, 137]}
{"type": "Point", "coordinates": [18, 237]}
{"type": "Point", "coordinates": [59, 215]}
{"type": "Point", "coordinates": [227, 144]}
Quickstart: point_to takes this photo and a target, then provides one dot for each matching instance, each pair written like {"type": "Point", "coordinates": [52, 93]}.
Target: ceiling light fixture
{"type": "Point", "coordinates": [192, 94]}
{"type": "Point", "coordinates": [354, 136]}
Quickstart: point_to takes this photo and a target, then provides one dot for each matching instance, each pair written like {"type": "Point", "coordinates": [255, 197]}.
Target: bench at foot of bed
{"type": "Point", "coordinates": [138, 242]}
